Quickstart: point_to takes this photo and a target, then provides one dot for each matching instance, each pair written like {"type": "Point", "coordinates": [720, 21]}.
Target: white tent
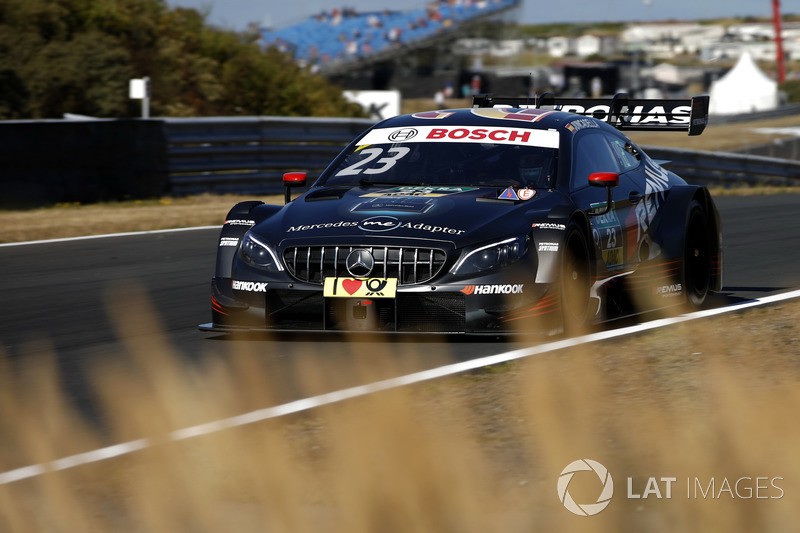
{"type": "Point", "coordinates": [744, 89]}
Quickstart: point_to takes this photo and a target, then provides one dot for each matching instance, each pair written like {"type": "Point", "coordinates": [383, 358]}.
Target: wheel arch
{"type": "Point", "coordinates": [581, 219]}
{"type": "Point", "coordinates": [577, 307]}
{"type": "Point", "coordinates": [555, 230]}
{"type": "Point", "coordinates": [238, 221]}
{"type": "Point", "coordinates": [703, 196]}
{"type": "Point", "coordinates": [671, 233]}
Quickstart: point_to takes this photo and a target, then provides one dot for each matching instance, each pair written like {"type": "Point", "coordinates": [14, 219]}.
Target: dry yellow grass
{"type": "Point", "coordinates": [709, 400]}
{"type": "Point", "coordinates": [73, 220]}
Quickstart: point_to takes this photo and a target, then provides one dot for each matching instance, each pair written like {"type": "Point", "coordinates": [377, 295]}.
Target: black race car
{"type": "Point", "coordinates": [515, 214]}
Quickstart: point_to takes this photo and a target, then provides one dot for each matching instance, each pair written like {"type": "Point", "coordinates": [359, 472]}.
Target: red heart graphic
{"type": "Point", "coordinates": [351, 285]}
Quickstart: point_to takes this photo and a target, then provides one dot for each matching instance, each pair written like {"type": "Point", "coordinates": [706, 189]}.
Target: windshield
{"type": "Point", "coordinates": [449, 163]}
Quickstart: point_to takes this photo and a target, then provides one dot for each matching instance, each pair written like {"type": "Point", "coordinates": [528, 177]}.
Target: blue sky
{"type": "Point", "coordinates": [236, 14]}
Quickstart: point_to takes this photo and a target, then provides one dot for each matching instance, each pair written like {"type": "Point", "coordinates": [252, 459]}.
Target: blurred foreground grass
{"type": "Point", "coordinates": [712, 402]}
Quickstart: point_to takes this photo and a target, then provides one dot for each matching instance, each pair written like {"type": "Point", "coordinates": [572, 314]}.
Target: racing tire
{"type": "Point", "coordinates": [696, 256]}
{"type": "Point", "coordinates": [575, 280]}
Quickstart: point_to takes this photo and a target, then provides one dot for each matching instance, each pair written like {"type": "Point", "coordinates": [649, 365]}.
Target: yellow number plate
{"type": "Point", "coordinates": [360, 288]}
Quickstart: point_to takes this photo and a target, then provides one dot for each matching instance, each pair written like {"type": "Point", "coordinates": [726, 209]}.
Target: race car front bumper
{"type": "Point", "coordinates": [446, 309]}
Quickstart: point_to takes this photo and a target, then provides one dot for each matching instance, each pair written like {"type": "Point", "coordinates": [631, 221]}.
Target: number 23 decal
{"type": "Point", "coordinates": [381, 165]}
{"type": "Point", "coordinates": [611, 238]}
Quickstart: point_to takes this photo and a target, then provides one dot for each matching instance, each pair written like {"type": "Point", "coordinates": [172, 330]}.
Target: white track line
{"type": "Point", "coordinates": [106, 235]}
{"type": "Point", "coordinates": [362, 390]}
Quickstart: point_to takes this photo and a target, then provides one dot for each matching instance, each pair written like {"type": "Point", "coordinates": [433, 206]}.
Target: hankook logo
{"type": "Point", "coordinates": [585, 509]}
{"type": "Point", "coordinates": [403, 135]}
{"type": "Point", "coordinates": [359, 263]}
{"type": "Point", "coordinates": [379, 223]}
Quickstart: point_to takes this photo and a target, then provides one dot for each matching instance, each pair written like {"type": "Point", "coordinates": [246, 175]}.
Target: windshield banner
{"type": "Point", "coordinates": [463, 134]}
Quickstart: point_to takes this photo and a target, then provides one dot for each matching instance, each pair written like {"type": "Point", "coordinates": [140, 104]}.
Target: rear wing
{"type": "Point", "coordinates": [621, 111]}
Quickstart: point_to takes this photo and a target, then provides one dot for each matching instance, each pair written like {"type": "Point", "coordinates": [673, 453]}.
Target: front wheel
{"type": "Point", "coordinates": [575, 280]}
{"type": "Point", "coordinates": [696, 256]}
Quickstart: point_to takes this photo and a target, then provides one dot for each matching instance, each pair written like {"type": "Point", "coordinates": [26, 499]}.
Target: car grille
{"type": "Point", "coordinates": [312, 264]}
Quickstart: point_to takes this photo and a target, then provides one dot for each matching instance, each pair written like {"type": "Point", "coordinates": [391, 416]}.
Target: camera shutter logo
{"type": "Point", "coordinates": [585, 509]}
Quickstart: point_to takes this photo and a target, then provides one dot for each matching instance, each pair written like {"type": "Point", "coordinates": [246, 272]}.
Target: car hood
{"type": "Point", "coordinates": [460, 215]}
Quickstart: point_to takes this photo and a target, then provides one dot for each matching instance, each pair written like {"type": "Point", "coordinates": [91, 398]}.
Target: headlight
{"type": "Point", "coordinates": [258, 254]}
{"type": "Point", "coordinates": [498, 254]}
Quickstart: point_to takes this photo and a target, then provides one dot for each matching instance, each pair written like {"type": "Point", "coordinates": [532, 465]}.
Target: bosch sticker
{"type": "Point", "coordinates": [460, 134]}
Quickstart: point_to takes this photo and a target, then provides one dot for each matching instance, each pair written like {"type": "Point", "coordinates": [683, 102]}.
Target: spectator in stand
{"type": "Point", "coordinates": [433, 14]}
{"type": "Point", "coordinates": [394, 35]}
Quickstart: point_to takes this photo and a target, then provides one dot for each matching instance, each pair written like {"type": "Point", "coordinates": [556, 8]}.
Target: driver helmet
{"type": "Point", "coordinates": [531, 170]}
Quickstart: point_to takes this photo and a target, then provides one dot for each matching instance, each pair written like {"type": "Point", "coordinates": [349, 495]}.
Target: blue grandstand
{"type": "Point", "coordinates": [341, 36]}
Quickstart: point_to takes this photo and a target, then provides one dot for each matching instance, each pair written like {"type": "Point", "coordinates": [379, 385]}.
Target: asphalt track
{"type": "Point", "coordinates": [84, 301]}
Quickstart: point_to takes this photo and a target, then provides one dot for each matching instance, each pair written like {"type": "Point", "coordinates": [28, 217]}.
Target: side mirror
{"type": "Point", "coordinates": [604, 179]}
{"type": "Point", "coordinates": [609, 180]}
{"type": "Point", "coordinates": [292, 179]}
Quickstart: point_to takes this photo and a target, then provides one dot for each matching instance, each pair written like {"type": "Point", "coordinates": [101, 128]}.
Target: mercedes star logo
{"type": "Point", "coordinates": [360, 263]}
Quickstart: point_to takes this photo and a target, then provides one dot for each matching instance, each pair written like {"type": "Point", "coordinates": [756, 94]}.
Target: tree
{"type": "Point", "coordinates": [77, 56]}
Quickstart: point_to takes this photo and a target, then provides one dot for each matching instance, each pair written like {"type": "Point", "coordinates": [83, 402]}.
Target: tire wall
{"type": "Point", "coordinates": [46, 162]}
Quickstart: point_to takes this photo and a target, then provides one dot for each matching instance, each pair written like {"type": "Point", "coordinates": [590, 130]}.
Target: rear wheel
{"type": "Point", "coordinates": [575, 280]}
{"type": "Point", "coordinates": [696, 256]}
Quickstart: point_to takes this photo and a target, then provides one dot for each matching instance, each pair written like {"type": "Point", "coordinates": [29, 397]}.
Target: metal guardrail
{"type": "Point", "coordinates": [88, 160]}
{"type": "Point", "coordinates": [727, 169]}
{"type": "Point", "coordinates": [248, 155]}
{"type": "Point", "coordinates": [778, 112]}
